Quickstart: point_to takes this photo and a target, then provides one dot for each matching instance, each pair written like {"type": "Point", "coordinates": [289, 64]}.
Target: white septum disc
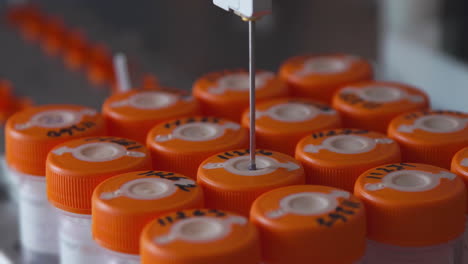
{"type": "Point", "coordinates": [201, 229]}
{"type": "Point", "coordinates": [238, 82]}
{"type": "Point", "coordinates": [349, 144]}
{"type": "Point", "coordinates": [198, 132]}
{"type": "Point", "coordinates": [99, 152]}
{"type": "Point", "coordinates": [440, 124]}
{"type": "Point", "coordinates": [293, 112]}
{"type": "Point", "coordinates": [381, 94]}
{"type": "Point", "coordinates": [308, 203]}
{"type": "Point", "coordinates": [152, 100]}
{"type": "Point", "coordinates": [326, 65]}
{"type": "Point", "coordinates": [148, 189]}
{"type": "Point", "coordinates": [410, 181]}
{"type": "Point", "coordinates": [56, 118]}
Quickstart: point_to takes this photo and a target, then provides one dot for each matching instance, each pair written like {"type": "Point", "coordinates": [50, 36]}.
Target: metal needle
{"type": "Point", "coordinates": [252, 165]}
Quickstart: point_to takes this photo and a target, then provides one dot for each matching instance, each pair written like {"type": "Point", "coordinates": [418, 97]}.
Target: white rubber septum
{"type": "Point", "coordinates": [436, 124]}
{"type": "Point", "coordinates": [201, 229]}
{"type": "Point", "coordinates": [240, 166]}
{"type": "Point", "coordinates": [56, 118]}
{"type": "Point", "coordinates": [292, 112]}
{"type": "Point", "coordinates": [148, 100]}
{"type": "Point", "coordinates": [383, 94]}
{"type": "Point", "coordinates": [410, 181]}
{"type": "Point", "coordinates": [98, 152]}
{"type": "Point", "coordinates": [347, 144]}
{"type": "Point", "coordinates": [464, 162]}
{"type": "Point", "coordinates": [198, 131]}
{"type": "Point", "coordinates": [240, 82]}
{"type": "Point", "coordinates": [326, 65]}
{"type": "Point", "coordinates": [146, 189]}
{"type": "Point", "coordinates": [308, 203]}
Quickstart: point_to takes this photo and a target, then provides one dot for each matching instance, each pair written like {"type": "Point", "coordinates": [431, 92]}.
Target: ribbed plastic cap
{"type": "Point", "coordinates": [180, 145]}
{"type": "Point", "coordinates": [75, 168]}
{"type": "Point", "coordinates": [132, 114]}
{"type": "Point", "coordinates": [33, 132]}
{"type": "Point", "coordinates": [372, 105]}
{"type": "Point", "coordinates": [337, 157]}
{"type": "Point", "coordinates": [124, 204]}
{"type": "Point", "coordinates": [76, 49]}
{"type": "Point", "coordinates": [319, 224]}
{"type": "Point", "coordinates": [100, 65]}
{"type": "Point", "coordinates": [430, 137]}
{"type": "Point", "coordinates": [281, 123]}
{"type": "Point", "coordinates": [460, 165]}
{"type": "Point", "coordinates": [226, 93]}
{"type": "Point", "coordinates": [412, 205]}
{"type": "Point", "coordinates": [200, 236]}
{"type": "Point", "coordinates": [319, 76]}
{"type": "Point", "coordinates": [54, 36]}
{"type": "Point", "coordinates": [228, 183]}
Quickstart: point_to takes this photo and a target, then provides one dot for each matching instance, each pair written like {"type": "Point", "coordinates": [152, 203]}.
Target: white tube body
{"type": "Point", "coordinates": [10, 179]}
{"type": "Point", "coordinates": [76, 242]}
{"type": "Point", "coordinates": [114, 257]}
{"type": "Point", "coordinates": [447, 253]}
{"type": "Point", "coordinates": [37, 217]}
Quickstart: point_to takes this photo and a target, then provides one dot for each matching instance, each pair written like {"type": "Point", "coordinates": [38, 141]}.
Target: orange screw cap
{"type": "Point", "coordinates": [31, 133]}
{"type": "Point", "coordinates": [124, 204]}
{"type": "Point", "coordinates": [150, 82]}
{"type": "Point", "coordinates": [372, 105]}
{"type": "Point", "coordinates": [430, 137]}
{"type": "Point", "coordinates": [32, 25]}
{"type": "Point", "coordinates": [132, 114]}
{"type": "Point", "coordinates": [100, 66]}
{"type": "Point", "coordinates": [76, 167]}
{"type": "Point", "coordinates": [228, 184]}
{"type": "Point", "coordinates": [319, 76]}
{"type": "Point", "coordinates": [6, 95]}
{"type": "Point", "coordinates": [319, 224]}
{"type": "Point", "coordinates": [282, 122]}
{"type": "Point", "coordinates": [180, 145]}
{"type": "Point", "coordinates": [200, 236]}
{"type": "Point", "coordinates": [53, 41]}
{"type": "Point", "coordinates": [412, 205]}
{"type": "Point", "coordinates": [76, 50]}
{"type": "Point", "coordinates": [460, 164]}
{"type": "Point", "coordinates": [16, 14]}
{"type": "Point", "coordinates": [337, 157]}
{"type": "Point", "coordinates": [226, 94]}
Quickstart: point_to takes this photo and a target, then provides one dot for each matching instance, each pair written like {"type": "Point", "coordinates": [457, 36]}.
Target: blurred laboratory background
{"type": "Point", "coordinates": [421, 42]}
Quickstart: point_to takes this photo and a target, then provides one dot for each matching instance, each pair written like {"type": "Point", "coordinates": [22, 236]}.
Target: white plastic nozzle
{"type": "Point", "coordinates": [249, 9]}
{"type": "Point", "coordinates": [121, 71]}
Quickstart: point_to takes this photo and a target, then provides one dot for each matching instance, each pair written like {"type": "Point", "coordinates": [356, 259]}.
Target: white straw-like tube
{"type": "Point", "coordinates": [121, 71]}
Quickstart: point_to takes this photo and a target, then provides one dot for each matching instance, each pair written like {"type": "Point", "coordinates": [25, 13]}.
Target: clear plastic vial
{"type": "Point", "coordinates": [416, 214]}
{"type": "Point", "coordinates": [465, 243]}
{"type": "Point", "coordinates": [29, 136]}
{"type": "Point", "coordinates": [446, 253]}
{"type": "Point", "coordinates": [76, 241]}
{"type": "Point", "coordinates": [459, 166]}
{"type": "Point", "coordinates": [200, 236]}
{"type": "Point", "coordinates": [37, 220]}
{"type": "Point", "coordinates": [310, 224]}
{"type": "Point", "coordinates": [113, 257]}
{"type": "Point", "coordinates": [73, 170]}
{"type": "Point", "coordinates": [10, 179]}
